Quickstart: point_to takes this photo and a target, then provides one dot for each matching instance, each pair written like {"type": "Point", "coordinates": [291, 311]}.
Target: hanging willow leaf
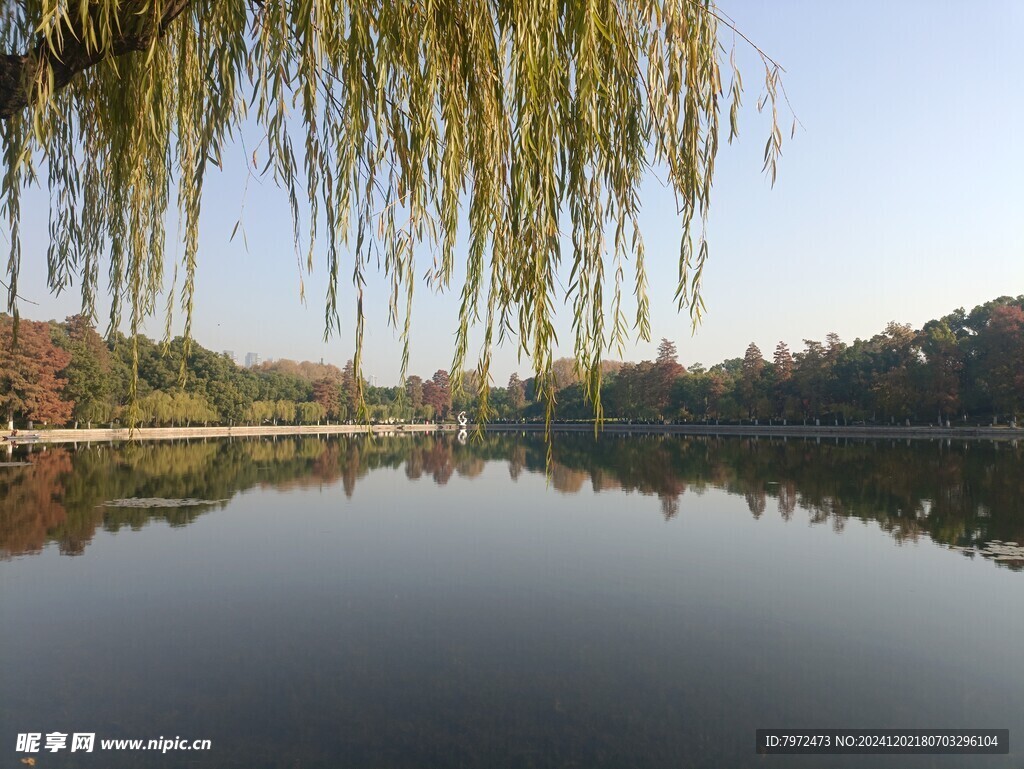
{"type": "Point", "coordinates": [411, 116]}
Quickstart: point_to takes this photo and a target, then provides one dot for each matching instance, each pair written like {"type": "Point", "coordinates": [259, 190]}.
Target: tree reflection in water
{"type": "Point", "coordinates": [964, 494]}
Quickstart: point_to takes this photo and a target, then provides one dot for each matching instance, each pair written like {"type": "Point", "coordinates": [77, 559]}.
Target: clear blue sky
{"type": "Point", "coordinates": [901, 200]}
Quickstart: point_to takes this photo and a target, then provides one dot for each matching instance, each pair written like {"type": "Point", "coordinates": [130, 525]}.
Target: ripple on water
{"type": "Point", "coordinates": [160, 502]}
{"type": "Point", "coordinates": [996, 550]}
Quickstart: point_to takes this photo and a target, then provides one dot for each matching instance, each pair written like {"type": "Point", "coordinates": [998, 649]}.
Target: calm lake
{"type": "Point", "coordinates": [408, 601]}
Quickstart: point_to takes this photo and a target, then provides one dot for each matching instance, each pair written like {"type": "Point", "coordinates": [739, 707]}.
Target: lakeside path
{"type": "Point", "coordinates": [105, 435]}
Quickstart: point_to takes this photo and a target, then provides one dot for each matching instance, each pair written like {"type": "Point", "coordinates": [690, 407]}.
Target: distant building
{"type": "Point", "coordinates": [231, 354]}
{"type": "Point", "coordinates": [252, 359]}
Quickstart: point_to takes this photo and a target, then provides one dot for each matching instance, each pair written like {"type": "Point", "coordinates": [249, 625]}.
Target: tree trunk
{"type": "Point", "coordinates": [136, 27]}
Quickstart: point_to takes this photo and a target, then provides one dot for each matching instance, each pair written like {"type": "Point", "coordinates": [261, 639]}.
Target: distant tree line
{"type": "Point", "coordinates": [962, 367]}
{"type": "Point", "coordinates": [966, 366]}
{"type": "Point", "coordinates": [66, 373]}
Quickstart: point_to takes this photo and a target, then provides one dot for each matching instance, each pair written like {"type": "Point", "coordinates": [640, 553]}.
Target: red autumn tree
{"type": "Point", "coordinates": [30, 385]}
{"type": "Point", "coordinates": [438, 393]}
{"type": "Point", "coordinates": [327, 392]}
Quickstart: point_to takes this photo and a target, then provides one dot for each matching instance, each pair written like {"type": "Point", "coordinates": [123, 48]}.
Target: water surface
{"type": "Point", "coordinates": [413, 602]}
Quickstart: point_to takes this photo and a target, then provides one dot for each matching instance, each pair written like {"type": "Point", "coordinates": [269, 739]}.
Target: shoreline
{"type": "Point", "coordinates": [797, 431]}
{"type": "Point", "coordinates": [111, 435]}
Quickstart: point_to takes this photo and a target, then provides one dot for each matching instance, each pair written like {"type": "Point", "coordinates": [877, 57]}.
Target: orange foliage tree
{"type": "Point", "coordinates": [30, 374]}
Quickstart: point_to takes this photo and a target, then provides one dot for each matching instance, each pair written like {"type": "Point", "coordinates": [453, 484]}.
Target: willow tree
{"type": "Point", "coordinates": [385, 122]}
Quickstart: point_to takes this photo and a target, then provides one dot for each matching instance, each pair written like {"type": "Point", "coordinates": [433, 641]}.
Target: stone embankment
{"type": "Point", "coordinates": [104, 435]}
{"type": "Point", "coordinates": [798, 431]}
